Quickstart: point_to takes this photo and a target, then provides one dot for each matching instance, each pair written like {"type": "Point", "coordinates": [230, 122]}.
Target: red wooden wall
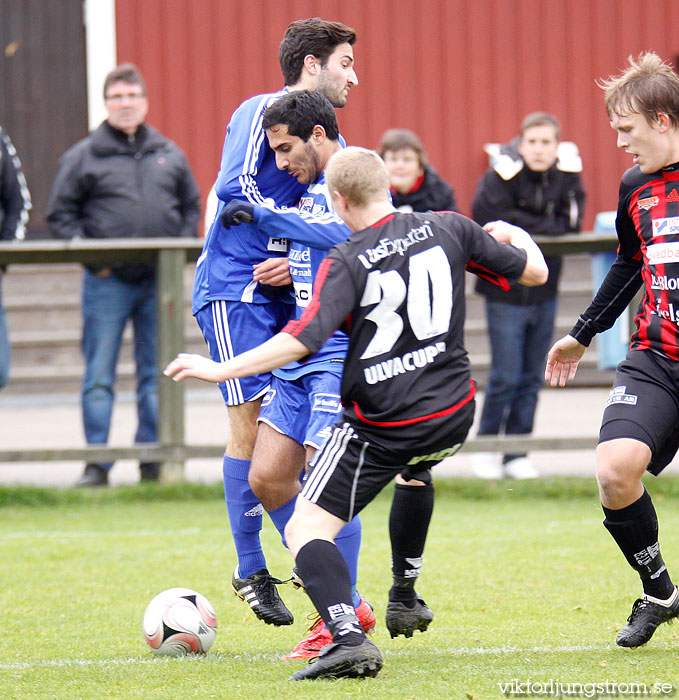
{"type": "Point", "coordinates": [458, 72]}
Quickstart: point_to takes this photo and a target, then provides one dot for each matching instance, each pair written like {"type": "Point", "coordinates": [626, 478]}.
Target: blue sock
{"type": "Point", "coordinates": [280, 517]}
{"type": "Point", "coordinates": [348, 541]}
{"type": "Point", "coordinates": [245, 516]}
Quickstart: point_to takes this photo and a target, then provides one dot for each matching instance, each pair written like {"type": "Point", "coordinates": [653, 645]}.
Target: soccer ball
{"type": "Point", "coordinates": [179, 621]}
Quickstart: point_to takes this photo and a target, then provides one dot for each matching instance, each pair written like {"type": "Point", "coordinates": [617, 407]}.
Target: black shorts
{"type": "Point", "coordinates": [355, 464]}
{"type": "Point", "coordinates": [644, 405]}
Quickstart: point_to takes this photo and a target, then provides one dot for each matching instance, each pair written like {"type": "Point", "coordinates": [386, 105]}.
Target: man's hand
{"type": "Point", "coordinates": [272, 271]}
{"type": "Point", "coordinates": [186, 365]}
{"type": "Point", "coordinates": [501, 231]}
{"type": "Point", "coordinates": [562, 360]}
{"type": "Point", "coordinates": [237, 212]}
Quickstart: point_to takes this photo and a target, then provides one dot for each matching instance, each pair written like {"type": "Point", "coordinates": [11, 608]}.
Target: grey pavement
{"type": "Point", "coordinates": [39, 421]}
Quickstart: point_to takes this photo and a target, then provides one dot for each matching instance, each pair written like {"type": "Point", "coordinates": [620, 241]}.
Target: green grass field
{"type": "Point", "coordinates": [525, 585]}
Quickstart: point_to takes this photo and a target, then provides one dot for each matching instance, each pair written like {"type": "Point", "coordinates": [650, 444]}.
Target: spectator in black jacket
{"type": "Point", "coordinates": [124, 180]}
{"type": "Point", "coordinates": [15, 203]}
{"type": "Point", "coordinates": [415, 185]}
{"type": "Point", "coordinates": [530, 186]}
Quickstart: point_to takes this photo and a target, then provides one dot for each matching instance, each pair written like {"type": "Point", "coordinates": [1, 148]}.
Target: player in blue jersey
{"type": "Point", "coordinates": [237, 298]}
{"type": "Point", "coordinates": [304, 398]}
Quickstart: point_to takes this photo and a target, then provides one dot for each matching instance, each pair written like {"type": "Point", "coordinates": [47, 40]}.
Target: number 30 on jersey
{"type": "Point", "coordinates": [429, 300]}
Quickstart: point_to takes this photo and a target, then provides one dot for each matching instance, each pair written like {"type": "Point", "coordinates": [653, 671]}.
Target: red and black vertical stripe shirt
{"type": "Point", "coordinates": [647, 225]}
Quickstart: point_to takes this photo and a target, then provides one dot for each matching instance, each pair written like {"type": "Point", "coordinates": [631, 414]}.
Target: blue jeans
{"type": "Point", "coordinates": [519, 340]}
{"type": "Point", "coordinates": [107, 304]}
{"type": "Point", "coordinates": [5, 353]}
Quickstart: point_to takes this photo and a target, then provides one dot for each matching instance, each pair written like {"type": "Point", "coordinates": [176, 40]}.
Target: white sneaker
{"type": "Point", "coordinates": [487, 465]}
{"type": "Point", "coordinates": [520, 468]}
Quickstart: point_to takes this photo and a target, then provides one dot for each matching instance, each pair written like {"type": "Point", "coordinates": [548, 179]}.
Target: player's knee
{"type": "Point", "coordinates": [611, 479]}
{"type": "Point", "coordinates": [620, 466]}
{"type": "Point", "coordinates": [258, 484]}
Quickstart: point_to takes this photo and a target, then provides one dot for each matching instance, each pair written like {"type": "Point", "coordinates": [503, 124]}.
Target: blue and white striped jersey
{"type": "Point", "coordinates": [248, 171]}
{"type": "Point", "coordinates": [313, 228]}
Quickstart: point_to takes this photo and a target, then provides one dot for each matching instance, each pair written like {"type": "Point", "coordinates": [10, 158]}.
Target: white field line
{"type": "Point", "coordinates": [454, 651]}
{"type": "Point", "coordinates": [76, 534]}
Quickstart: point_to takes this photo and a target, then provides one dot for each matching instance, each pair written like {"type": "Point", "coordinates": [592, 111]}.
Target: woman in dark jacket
{"type": "Point", "coordinates": [415, 185]}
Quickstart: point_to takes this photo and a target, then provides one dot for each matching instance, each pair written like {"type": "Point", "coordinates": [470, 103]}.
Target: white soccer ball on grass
{"type": "Point", "coordinates": [179, 621]}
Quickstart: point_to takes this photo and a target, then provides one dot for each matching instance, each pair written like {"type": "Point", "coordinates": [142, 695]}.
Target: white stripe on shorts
{"type": "Point", "coordinates": [225, 348]}
{"type": "Point", "coordinates": [354, 485]}
{"type": "Point", "coordinates": [324, 467]}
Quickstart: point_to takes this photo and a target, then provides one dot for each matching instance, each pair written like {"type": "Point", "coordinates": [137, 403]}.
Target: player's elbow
{"type": "Point", "coordinates": [534, 275]}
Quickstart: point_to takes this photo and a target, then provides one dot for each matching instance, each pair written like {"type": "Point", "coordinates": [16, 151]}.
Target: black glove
{"type": "Point", "coordinates": [237, 212]}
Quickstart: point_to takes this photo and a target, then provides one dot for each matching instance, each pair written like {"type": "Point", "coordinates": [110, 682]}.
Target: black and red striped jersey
{"type": "Point", "coordinates": [647, 225]}
{"type": "Point", "coordinates": [399, 286]}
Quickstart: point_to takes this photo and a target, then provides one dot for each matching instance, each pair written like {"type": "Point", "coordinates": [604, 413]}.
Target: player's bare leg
{"type": "Point", "coordinates": [243, 429]}
{"type": "Point", "coordinates": [277, 462]}
{"type": "Point", "coordinates": [633, 524]}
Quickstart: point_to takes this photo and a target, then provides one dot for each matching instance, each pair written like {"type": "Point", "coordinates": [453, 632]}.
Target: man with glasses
{"type": "Point", "coordinates": [124, 180]}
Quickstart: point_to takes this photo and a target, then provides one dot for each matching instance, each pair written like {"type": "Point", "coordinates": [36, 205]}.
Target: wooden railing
{"type": "Point", "coordinates": [171, 255]}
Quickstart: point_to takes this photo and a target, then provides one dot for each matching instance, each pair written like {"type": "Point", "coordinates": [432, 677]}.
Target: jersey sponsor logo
{"type": "Point", "coordinates": [268, 397]}
{"type": "Point", "coordinates": [665, 227]}
{"type": "Point", "coordinates": [387, 247]}
{"type": "Point", "coordinates": [306, 204]}
{"type": "Point", "coordinates": [410, 362]}
{"type": "Point", "coordinates": [318, 210]}
{"type": "Point", "coordinates": [659, 253]}
{"type": "Point", "coordinates": [647, 203]}
{"type": "Point", "coordinates": [303, 292]}
{"type": "Point", "coordinates": [669, 313]}
{"type": "Point", "coordinates": [300, 271]}
{"type": "Point", "coordinates": [673, 196]}
{"type": "Point", "coordinates": [618, 394]}
{"type": "Point", "coordinates": [279, 245]}
{"type": "Point", "coordinates": [436, 456]}
{"type": "Point", "coordinates": [299, 254]}
{"type": "Point", "coordinates": [327, 403]}
{"type": "Point", "coordinates": [664, 283]}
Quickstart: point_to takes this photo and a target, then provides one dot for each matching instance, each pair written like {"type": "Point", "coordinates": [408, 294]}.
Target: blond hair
{"type": "Point", "coordinates": [358, 174]}
{"type": "Point", "coordinates": [648, 86]}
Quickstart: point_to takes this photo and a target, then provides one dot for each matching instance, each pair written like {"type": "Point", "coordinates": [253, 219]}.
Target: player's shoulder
{"type": "Point", "coordinates": [634, 178]}
{"type": "Point", "coordinates": [257, 103]}
{"type": "Point", "coordinates": [395, 235]}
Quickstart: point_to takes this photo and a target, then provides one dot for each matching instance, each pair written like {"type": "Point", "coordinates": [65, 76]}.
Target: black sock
{"type": "Point", "coordinates": [328, 584]}
{"type": "Point", "coordinates": [635, 530]}
{"type": "Point", "coordinates": [409, 520]}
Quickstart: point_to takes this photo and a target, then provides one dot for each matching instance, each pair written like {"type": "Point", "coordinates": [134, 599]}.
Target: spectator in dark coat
{"type": "Point", "coordinates": [124, 180]}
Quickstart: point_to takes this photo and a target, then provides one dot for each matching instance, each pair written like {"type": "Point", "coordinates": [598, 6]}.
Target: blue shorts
{"type": "Point", "coordinates": [305, 408]}
{"type": "Point", "coordinates": [232, 327]}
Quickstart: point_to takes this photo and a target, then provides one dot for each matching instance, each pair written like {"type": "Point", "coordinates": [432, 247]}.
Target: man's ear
{"type": "Point", "coordinates": [311, 64]}
{"type": "Point", "coordinates": [339, 198]}
{"type": "Point", "coordinates": [663, 120]}
{"type": "Point", "coordinates": [318, 134]}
